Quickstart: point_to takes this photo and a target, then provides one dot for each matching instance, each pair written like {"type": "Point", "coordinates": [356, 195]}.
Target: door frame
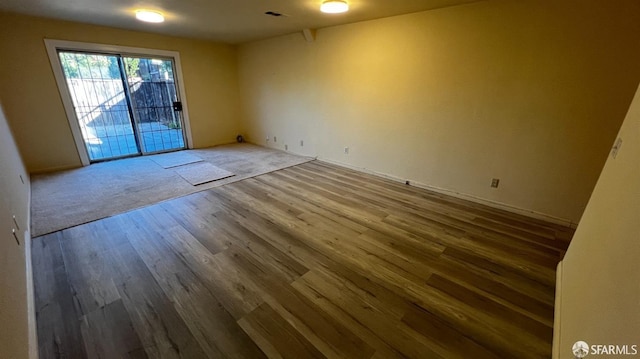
{"type": "Point", "coordinates": [53, 45]}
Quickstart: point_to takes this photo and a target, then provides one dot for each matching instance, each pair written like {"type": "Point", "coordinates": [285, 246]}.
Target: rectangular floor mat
{"type": "Point", "coordinates": [199, 173]}
{"type": "Point", "coordinates": [174, 159]}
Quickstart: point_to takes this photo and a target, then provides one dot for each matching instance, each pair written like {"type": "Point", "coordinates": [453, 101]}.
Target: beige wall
{"type": "Point", "coordinates": [531, 92]}
{"type": "Point", "coordinates": [33, 105]}
{"type": "Point", "coordinates": [14, 200]}
{"type": "Point", "coordinates": [599, 301]}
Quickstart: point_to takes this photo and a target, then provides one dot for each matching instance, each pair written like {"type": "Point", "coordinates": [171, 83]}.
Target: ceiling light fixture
{"type": "Point", "coordinates": [149, 16]}
{"type": "Point", "coordinates": [334, 6]}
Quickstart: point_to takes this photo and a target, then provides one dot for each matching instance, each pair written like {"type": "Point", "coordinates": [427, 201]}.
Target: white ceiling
{"type": "Point", "coordinates": [231, 21]}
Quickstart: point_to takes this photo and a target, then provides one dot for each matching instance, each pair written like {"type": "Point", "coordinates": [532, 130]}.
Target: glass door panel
{"type": "Point", "coordinates": [101, 105]}
{"type": "Point", "coordinates": [155, 102]}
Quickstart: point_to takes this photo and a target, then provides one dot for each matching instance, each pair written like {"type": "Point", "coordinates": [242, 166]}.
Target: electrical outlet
{"type": "Point", "coordinates": [286, 147]}
{"type": "Point", "coordinates": [495, 182]}
{"type": "Point", "coordinates": [346, 150]}
{"type": "Point", "coordinates": [275, 139]}
{"type": "Point", "coordinates": [301, 143]}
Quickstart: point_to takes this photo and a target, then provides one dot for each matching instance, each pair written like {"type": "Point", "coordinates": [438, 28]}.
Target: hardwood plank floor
{"type": "Point", "coordinates": [307, 262]}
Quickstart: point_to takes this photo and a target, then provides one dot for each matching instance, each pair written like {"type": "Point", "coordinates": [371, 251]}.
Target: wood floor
{"type": "Point", "coordinates": [308, 262]}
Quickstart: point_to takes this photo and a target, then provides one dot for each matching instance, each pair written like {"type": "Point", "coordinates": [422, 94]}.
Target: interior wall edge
{"type": "Point", "coordinates": [557, 313]}
{"type": "Point", "coordinates": [600, 295]}
{"type": "Point", "coordinates": [31, 300]}
{"type": "Point", "coordinates": [17, 308]}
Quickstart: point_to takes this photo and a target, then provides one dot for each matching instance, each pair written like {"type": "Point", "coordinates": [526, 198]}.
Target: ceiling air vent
{"type": "Point", "coordinates": [273, 13]}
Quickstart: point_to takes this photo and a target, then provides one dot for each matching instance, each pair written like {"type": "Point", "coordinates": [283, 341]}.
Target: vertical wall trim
{"type": "Point", "coordinates": [31, 299]}
{"type": "Point", "coordinates": [66, 100]}
{"type": "Point", "coordinates": [557, 313]}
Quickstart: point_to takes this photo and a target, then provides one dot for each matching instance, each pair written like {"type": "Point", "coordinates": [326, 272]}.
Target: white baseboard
{"type": "Point", "coordinates": [556, 313]}
{"type": "Point", "coordinates": [468, 197]}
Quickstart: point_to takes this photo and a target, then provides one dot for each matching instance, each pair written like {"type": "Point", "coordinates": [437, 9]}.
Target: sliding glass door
{"type": "Point", "coordinates": [156, 106]}
{"type": "Point", "coordinates": [124, 105]}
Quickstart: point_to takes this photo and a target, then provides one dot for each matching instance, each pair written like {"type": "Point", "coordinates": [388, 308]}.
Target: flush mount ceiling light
{"type": "Point", "coordinates": [149, 16]}
{"type": "Point", "coordinates": [334, 6]}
